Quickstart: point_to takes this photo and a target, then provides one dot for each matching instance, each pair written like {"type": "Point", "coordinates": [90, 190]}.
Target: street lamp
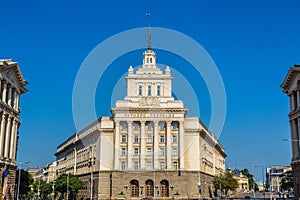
{"type": "Point", "coordinates": [19, 177]}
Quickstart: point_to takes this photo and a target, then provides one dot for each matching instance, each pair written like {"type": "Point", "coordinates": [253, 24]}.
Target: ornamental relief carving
{"type": "Point", "coordinates": [11, 78]}
{"type": "Point", "coordinates": [149, 101]}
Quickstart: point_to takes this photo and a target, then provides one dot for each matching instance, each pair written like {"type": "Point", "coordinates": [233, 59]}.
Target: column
{"type": "Point", "coordinates": [143, 146]}
{"type": "Point", "coordinates": [17, 102]}
{"type": "Point", "coordinates": [12, 139]}
{"type": "Point", "coordinates": [181, 145]}
{"type": "Point", "coordinates": [169, 146]}
{"type": "Point", "coordinates": [15, 140]}
{"type": "Point", "coordinates": [298, 98]}
{"type": "Point", "coordinates": [7, 137]}
{"type": "Point", "coordinates": [4, 92]}
{"type": "Point", "coordinates": [298, 136]}
{"type": "Point", "coordinates": [117, 146]}
{"type": "Point", "coordinates": [129, 145]}
{"type": "Point", "coordinates": [2, 133]}
{"type": "Point", "coordinates": [156, 147]}
{"type": "Point", "coordinates": [0, 85]}
{"type": "Point", "coordinates": [14, 99]}
{"type": "Point", "coordinates": [294, 137]}
{"type": "Point", "coordinates": [9, 95]}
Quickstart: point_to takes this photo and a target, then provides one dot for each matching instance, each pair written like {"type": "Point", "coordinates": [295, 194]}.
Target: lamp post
{"type": "Point", "coordinates": [68, 187]}
{"type": "Point", "coordinates": [90, 164]}
{"type": "Point", "coordinates": [19, 177]}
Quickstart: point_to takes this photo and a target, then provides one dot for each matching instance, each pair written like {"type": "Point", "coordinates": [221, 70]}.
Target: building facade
{"type": "Point", "coordinates": [147, 148]}
{"type": "Point", "coordinates": [274, 176]}
{"type": "Point", "coordinates": [12, 85]}
{"type": "Point", "coordinates": [291, 87]}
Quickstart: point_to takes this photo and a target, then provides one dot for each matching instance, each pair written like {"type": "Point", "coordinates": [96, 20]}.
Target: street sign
{"type": "Point", "coordinates": [199, 186]}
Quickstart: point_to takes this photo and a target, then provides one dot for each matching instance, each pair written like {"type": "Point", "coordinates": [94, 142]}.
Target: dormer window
{"type": "Point", "coordinates": [150, 60]}
{"type": "Point", "coordinates": [147, 60]}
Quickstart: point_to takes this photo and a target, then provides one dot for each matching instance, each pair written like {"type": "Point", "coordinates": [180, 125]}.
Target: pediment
{"type": "Point", "coordinates": [10, 71]}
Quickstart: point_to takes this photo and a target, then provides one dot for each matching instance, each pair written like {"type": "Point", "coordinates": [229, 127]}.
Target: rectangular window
{"type": "Point", "coordinates": [149, 138]}
{"type": "Point", "coordinates": [162, 126]}
{"type": "Point", "coordinates": [124, 126]}
{"type": "Point", "coordinates": [136, 165]}
{"type": "Point", "coordinates": [175, 166]}
{"type": "Point", "coordinates": [149, 126]}
{"type": "Point", "coordinates": [149, 90]}
{"type": "Point", "coordinates": [162, 165]}
{"type": "Point", "coordinates": [136, 138]}
{"type": "Point", "coordinates": [174, 126]}
{"type": "Point", "coordinates": [162, 138]}
{"type": "Point", "coordinates": [123, 138]}
{"type": "Point", "coordinates": [136, 151]}
{"type": "Point", "coordinates": [123, 152]}
{"type": "Point", "coordinates": [136, 126]}
{"type": "Point", "coordinates": [123, 165]}
{"type": "Point", "coordinates": [162, 151]}
{"type": "Point", "coordinates": [149, 151]}
{"type": "Point", "coordinates": [158, 90]}
{"type": "Point", "coordinates": [174, 151]}
{"type": "Point", "coordinates": [149, 166]}
{"type": "Point", "coordinates": [140, 90]}
{"type": "Point", "coordinates": [174, 138]}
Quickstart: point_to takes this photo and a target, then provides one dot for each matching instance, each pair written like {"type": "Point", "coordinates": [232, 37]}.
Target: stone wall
{"type": "Point", "coordinates": [114, 183]}
{"type": "Point", "coordinates": [296, 177]}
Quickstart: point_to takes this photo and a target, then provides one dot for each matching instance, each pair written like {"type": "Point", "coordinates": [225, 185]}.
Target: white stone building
{"type": "Point", "coordinates": [291, 86]}
{"type": "Point", "coordinates": [148, 148]}
{"type": "Point", "coordinates": [12, 85]}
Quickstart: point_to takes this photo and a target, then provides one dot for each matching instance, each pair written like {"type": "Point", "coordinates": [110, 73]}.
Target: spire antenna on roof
{"type": "Point", "coordinates": [149, 31]}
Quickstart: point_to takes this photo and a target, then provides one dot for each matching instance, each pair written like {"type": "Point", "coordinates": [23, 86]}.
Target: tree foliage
{"type": "Point", "coordinates": [43, 188]}
{"type": "Point", "coordinates": [73, 184]}
{"type": "Point", "coordinates": [286, 182]}
{"type": "Point", "coordinates": [225, 182]}
{"type": "Point", "coordinates": [26, 181]}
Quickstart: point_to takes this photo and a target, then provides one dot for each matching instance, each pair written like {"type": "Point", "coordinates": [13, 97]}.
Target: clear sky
{"type": "Point", "coordinates": [253, 43]}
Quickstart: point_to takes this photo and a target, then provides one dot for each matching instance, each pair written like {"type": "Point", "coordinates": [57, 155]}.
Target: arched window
{"type": "Point", "coordinates": [164, 188]}
{"type": "Point", "coordinates": [149, 188]}
{"type": "Point", "coordinates": [134, 186]}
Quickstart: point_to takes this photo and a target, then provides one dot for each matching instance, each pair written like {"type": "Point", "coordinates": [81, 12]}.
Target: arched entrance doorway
{"type": "Point", "coordinates": [134, 188]}
{"type": "Point", "coordinates": [149, 188]}
{"type": "Point", "coordinates": [164, 188]}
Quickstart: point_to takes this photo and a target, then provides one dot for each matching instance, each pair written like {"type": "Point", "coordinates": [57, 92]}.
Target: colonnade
{"type": "Point", "coordinates": [9, 98]}
{"type": "Point", "coordinates": [9, 95]}
{"type": "Point", "coordinates": [155, 144]}
{"type": "Point", "coordinates": [8, 136]}
{"type": "Point", "coordinates": [295, 123]}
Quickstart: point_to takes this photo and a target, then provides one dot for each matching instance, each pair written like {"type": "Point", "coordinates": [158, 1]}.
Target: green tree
{"type": "Point", "coordinates": [26, 181]}
{"type": "Point", "coordinates": [286, 182]}
{"type": "Point", "coordinates": [225, 182]}
{"type": "Point", "coordinates": [42, 187]}
{"type": "Point", "coordinates": [74, 184]}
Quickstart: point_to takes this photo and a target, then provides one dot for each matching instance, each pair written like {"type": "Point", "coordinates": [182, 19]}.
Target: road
{"type": "Point", "coordinates": [258, 195]}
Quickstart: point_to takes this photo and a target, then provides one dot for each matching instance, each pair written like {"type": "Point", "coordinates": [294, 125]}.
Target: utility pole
{"type": "Point", "coordinates": [68, 187]}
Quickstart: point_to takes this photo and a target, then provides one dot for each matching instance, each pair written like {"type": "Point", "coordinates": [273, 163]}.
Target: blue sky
{"type": "Point", "coordinates": [253, 44]}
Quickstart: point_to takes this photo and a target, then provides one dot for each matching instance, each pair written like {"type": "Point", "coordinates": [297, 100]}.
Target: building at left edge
{"type": "Point", "coordinates": [12, 86]}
